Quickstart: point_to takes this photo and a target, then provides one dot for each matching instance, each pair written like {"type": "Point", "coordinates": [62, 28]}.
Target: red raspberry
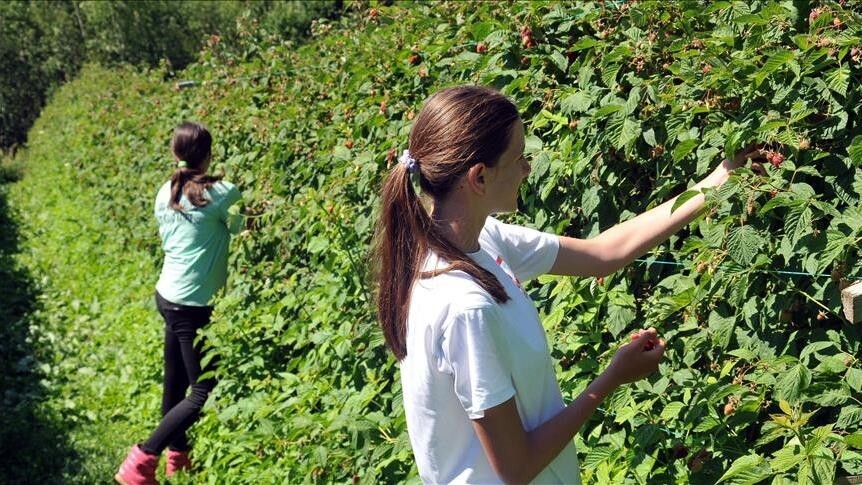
{"type": "Point", "coordinates": [776, 159]}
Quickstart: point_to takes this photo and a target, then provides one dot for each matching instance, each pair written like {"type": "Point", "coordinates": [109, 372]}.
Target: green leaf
{"type": "Point", "coordinates": [781, 199]}
{"type": "Point", "coordinates": [706, 423]}
{"type": "Point", "coordinates": [672, 410]}
{"type": "Point", "coordinates": [620, 315]}
{"type": "Point", "coordinates": [586, 43]}
{"type": "Point", "coordinates": [560, 61]}
{"type": "Point", "coordinates": [609, 75]}
{"type": "Point", "coordinates": [743, 244]}
{"type": "Point", "coordinates": [747, 470]}
{"type": "Point", "coordinates": [812, 348]}
{"type": "Point", "coordinates": [578, 102]}
{"type": "Point", "coordinates": [649, 137]}
{"type": "Point", "coordinates": [854, 440]}
{"type": "Point", "coordinates": [630, 131]}
{"type": "Point", "coordinates": [798, 223]}
{"type": "Point", "coordinates": [823, 469]}
{"type": "Point", "coordinates": [744, 354]}
{"type": "Point", "coordinates": [788, 457]}
{"type": "Point", "coordinates": [850, 417]}
{"type": "Point", "coordinates": [855, 150]}
{"type": "Point", "coordinates": [721, 329]}
{"type": "Point", "coordinates": [775, 62]}
{"type": "Point", "coordinates": [833, 397]}
{"type": "Point", "coordinates": [854, 378]}
{"type": "Point", "coordinates": [791, 384]}
{"type": "Point", "coordinates": [838, 80]}
{"type": "Point", "coordinates": [607, 109]}
{"type": "Point", "coordinates": [597, 455]}
{"type": "Point", "coordinates": [683, 198]}
{"type": "Point", "coordinates": [683, 149]}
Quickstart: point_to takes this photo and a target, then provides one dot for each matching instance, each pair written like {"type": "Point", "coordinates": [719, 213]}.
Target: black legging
{"type": "Point", "coordinates": [182, 366]}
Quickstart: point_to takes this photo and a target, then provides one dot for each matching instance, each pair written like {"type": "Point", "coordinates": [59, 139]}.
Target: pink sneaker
{"type": "Point", "coordinates": [138, 469]}
{"type": "Point", "coordinates": [177, 460]}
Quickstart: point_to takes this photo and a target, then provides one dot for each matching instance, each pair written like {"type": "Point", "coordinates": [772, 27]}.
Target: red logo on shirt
{"type": "Point", "coordinates": [508, 271]}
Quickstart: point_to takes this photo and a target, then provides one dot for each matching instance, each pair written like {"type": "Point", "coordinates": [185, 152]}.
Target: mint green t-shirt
{"type": "Point", "coordinates": [196, 243]}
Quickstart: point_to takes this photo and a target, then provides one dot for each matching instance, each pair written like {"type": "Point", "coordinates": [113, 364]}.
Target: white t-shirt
{"type": "Point", "coordinates": [466, 353]}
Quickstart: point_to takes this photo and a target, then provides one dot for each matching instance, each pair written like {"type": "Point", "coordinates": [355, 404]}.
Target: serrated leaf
{"type": "Point", "coordinates": [850, 417]}
{"type": "Point", "coordinates": [743, 244]}
{"type": "Point", "coordinates": [781, 199]}
{"type": "Point", "coordinates": [775, 61]}
{"type": "Point", "coordinates": [798, 223]}
{"type": "Point", "coordinates": [706, 423]}
{"type": "Point", "coordinates": [683, 198]}
{"type": "Point", "coordinates": [823, 461]}
{"type": "Point", "coordinates": [854, 440]}
{"type": "Point", "coordinates": [721, 329]}
{"type": "Point", "coordinates": [629, 132]}
{"type": "Point", "coordinates": [684, 149]}
{"type": "Point", "coordinates": [744, 354]}
{"type": "Point", "coordinates": [748, 470]}
{"type": "Point", "coordinates": [791, 384]}
{"type": "Point", "coordinates": [672, 410]}
{"type": "Point", "coordinates": [838, 80]}
{"type": "Point", "coordinates": [855, 150]}
{"type": "Point", "coordinates": [832, 397]}
{"type": "Point", "coordinates": [586, 43]}
{"type": "Point", "coordinates": [649, 137]}
{"type": "Point", "coordinates": [578, 102]}
{"type": "Point", "coordinates": [788, 457]}
{"type": "Point", "coordinates": [597, 455]}
{"type": "Point", "coordinates": [812, 348]}
{"type": "Point", "coordinates": [607, 109]}
{"type": "Point", "coordinates": [854, 378]}
{"type": "Point", "coordinates": [619, 317]}
{"type": "Point", "coordinates": [560, 61]}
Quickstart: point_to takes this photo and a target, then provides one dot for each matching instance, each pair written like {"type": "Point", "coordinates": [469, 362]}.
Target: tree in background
{"type": "Point", "coordinates": [43, 44]}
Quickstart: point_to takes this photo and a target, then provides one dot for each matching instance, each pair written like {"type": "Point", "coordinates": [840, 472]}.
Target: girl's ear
{"type": "Point", "coordinates": [475, 178]}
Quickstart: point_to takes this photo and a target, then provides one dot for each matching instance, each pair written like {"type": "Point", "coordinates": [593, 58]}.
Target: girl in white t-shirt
{"type": "Point", "coordinates": [482, 401]}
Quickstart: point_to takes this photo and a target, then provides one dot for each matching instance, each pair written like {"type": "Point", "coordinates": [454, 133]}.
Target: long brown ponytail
{"type": "Point", "coordinates": [457, 128]}
{"type": "Point", "coordinates": [192, 144]}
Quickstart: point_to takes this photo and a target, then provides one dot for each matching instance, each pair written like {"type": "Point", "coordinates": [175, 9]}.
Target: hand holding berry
{"type": "Point", "coordinates": [638, 358]}
{"type": "Point", "coordinates": [752, 151]}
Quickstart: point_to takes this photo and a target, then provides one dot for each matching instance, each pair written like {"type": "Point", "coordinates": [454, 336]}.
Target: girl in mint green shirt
{"type": "Point", "coordinates": [197, 215]}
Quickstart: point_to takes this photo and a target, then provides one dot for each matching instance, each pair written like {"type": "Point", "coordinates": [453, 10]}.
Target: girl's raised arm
{"type": "Point", "coordinates": [626, 241]}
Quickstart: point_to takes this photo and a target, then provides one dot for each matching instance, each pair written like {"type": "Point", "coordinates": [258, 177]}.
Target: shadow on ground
{"type": "Point", "coordinates": [33, 448]}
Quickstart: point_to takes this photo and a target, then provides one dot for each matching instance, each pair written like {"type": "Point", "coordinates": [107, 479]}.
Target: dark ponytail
{"type": "Point", "coordinates": [192, 145]}
{"type": "Point", "coordinates": [456, 129]}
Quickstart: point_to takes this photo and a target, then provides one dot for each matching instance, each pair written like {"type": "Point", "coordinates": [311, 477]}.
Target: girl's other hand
{"type": "Point", "coordinates": [638, 358]}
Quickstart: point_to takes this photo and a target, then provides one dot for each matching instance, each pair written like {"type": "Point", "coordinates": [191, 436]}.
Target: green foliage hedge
{"type": "Point", "coordinates": [625, 105]}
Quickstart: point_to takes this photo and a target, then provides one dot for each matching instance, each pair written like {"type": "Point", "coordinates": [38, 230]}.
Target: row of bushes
{"type": "Point", "coordinates": [625, 105]}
